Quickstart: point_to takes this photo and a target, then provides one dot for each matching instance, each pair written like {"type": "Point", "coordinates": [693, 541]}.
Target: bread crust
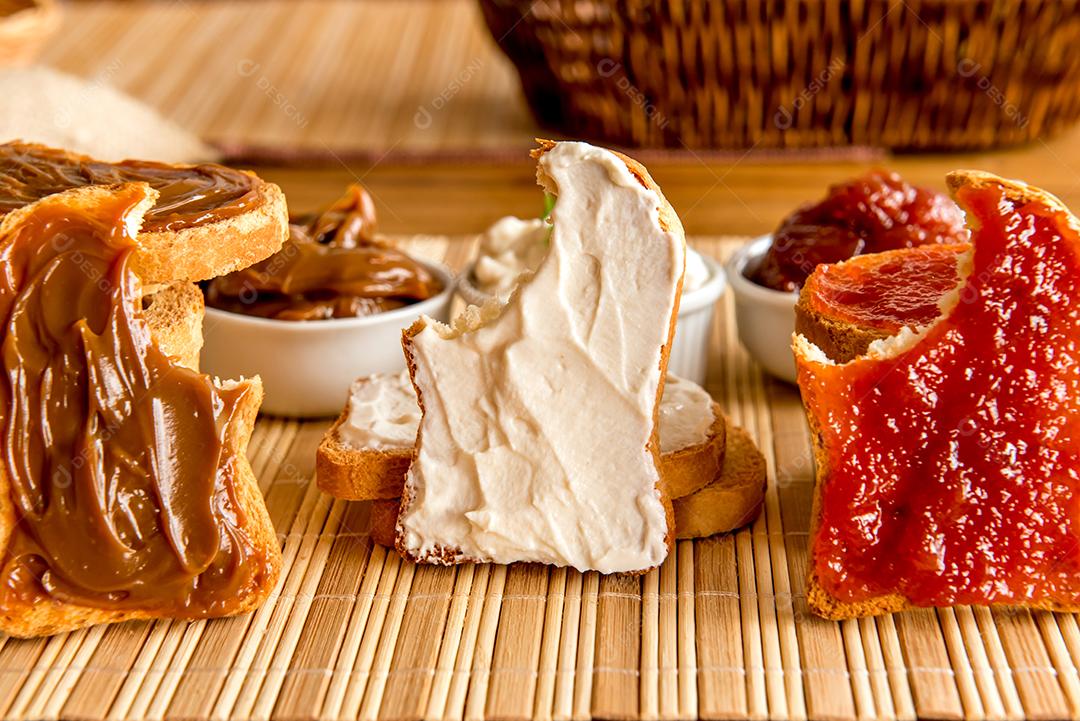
{"type": "Point", "coordinates": [208, 250]}
{"type": "Point", "coordinates": [735, 496]}
{"type": "Point", "coordinates": [176, 332]}
{"type": "Point", "coordinates": [688, 470]}
{"type": "Point", "coordinates": [384, 515]}
{"type": "Point", "coordinates": [820, 601]}
{"type": "Point", "coordinates": [669, 222]}
{"type": "Point", "coordinates": [839, 340]}
{"type": "Point", "coordinates": [352, 474]}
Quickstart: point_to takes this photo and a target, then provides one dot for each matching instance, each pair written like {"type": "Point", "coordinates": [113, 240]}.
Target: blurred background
{"type": "Point", "coordinates": [742, 109]}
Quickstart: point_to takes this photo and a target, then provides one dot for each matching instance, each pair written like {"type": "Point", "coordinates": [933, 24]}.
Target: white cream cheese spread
{"type": "Point", "coordinates": [538, 414]}
{"type": "Point", "coordinates": [512, 246]}
{"type": "Point", "coordinates": [686, 415]}
{"type": "Point", "coordinates": [508, 248]}
{"type": "Point", "coordinates": [383, 414]}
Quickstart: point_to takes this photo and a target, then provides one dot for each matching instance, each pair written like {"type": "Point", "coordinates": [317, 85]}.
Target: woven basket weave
{"type": "Point", "coordinates": [905, 74]}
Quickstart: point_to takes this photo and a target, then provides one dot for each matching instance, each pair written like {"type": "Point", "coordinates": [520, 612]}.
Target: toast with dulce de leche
{"type": "Point", "coordinates": [208, 220]}
{"type": "Point", "coordinates": [125, 490]}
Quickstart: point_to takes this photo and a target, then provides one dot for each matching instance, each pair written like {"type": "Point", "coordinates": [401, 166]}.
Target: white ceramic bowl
{"type": "Point", "coordinates": [765, 317]}
{"type": "Point", "coordinates": [307, 366]}
{"type": "Point", "coordinates": [690, 351]}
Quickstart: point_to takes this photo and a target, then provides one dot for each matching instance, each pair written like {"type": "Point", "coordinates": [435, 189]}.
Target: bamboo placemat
{"type": "Point", "coordinates": [721, 630]}
{"type": "Point", "coordinates": [328, 76]}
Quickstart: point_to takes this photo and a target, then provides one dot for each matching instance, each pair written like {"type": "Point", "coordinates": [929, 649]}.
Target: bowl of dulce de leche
{"type": "Point", "coordinates": [327, 308]}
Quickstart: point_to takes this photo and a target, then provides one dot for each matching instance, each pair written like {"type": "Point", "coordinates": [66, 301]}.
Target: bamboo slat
{"type": "Point", "coordinates": [721, 630]}
{"type": "Point", "coordinates": [300, 74]}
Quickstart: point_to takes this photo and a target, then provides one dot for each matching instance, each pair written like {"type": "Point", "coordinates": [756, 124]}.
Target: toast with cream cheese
{"type": "Point", "coordinates": [538, 436]}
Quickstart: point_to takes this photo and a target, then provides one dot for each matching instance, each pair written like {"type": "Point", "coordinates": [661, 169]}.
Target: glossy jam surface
{"type": "Point", "coordinates": [331, 267]}
{"type": "Point", "coordinates": [187, 195]}
{"type": "Point", "coordinates": [871, 214]}
{"type": "Point", "coordinates": [120, 461]}
{"type": "Point", "coordinates": [952, 471]}
{"type": "Point", "coordinates": [886, 291]}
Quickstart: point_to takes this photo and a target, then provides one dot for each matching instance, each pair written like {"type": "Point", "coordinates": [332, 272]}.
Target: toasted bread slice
{"type": "Point", "coordinates": [367, 451]}
{"type": "Point", "coordinates": [732, 499]}
{"type": "Point", "coordinates": [538, 438]}
{"type": "Point", "coordinates": [365, 458]}
{"type": "Point", "coordinates": [30, 605]}
{"type": "Point", "coordinates": [384, 513]}
{"type": "Point", "coordinates": [978, 551]}
{"type": "Point", "coordinates": [360, 474]}
{"type": "Point", "coordinates": [231, 219]}
{"type": "Point", "coordinates": [688, 467]}
{"type": "Point", "coordinates": [844, 307]}
{"type": "Point", "coordinates": [175, 316]}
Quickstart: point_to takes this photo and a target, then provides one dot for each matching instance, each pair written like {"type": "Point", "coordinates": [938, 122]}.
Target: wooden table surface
{"type": "Point", "coordinates": [346, 78]}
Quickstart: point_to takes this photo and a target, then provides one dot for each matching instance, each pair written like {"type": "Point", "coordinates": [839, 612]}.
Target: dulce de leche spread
{"type": "Point", "coordinates": [331, 267]}
{"type": "Point", "coordinates": [188, 195]}
{"type": "Point", "coordinates": [120, 463]}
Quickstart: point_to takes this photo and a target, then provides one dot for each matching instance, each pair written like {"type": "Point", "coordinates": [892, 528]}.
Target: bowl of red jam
{"type": "Point", "coordinates": [873, 213]}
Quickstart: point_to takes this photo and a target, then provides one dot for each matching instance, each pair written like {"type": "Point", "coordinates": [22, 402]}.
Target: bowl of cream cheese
{"type": "Point", "coordinates": [512, 247]}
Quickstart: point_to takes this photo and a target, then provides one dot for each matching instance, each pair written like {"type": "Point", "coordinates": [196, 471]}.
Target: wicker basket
{"type": "Point", "coordinates": [24, 28]}
{"type": "Point", "coordinates": [911, 74]}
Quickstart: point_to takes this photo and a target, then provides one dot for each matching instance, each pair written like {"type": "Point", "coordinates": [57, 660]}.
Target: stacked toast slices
{"type": "Point", "coordinates": [145, 281]}
{"type": "Point", "coordinates": [716, 480]}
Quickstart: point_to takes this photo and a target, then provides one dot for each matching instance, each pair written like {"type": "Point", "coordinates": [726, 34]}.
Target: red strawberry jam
{"type": "Point", "coordinates": [871, 214]}
{"type": "Point", "coordinates": [886, 291]}
{"type": "Point", "coordinates": [950, 473]}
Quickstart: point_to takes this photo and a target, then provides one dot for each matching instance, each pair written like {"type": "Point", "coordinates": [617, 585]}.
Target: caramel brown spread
{"type": "Point", "coordinates": [120, 462]}
{"type": "Point", "coordinates": [188, 195]}
{"type": "Point", "coordinates": [331, 267]}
